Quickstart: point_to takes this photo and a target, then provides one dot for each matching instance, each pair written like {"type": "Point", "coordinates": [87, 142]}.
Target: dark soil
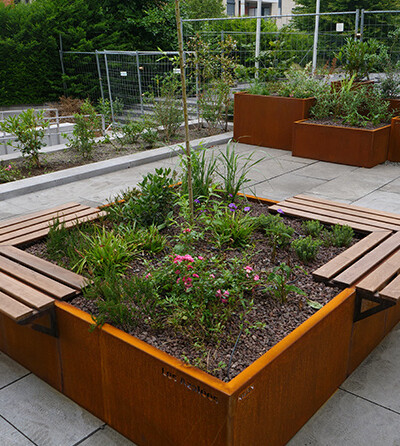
{"type": "Point", "coordinates": [340, 123]}
{"type": "Point", "coordinates": [65, 159]}
{"type": "Point", "coordinates": [279, 319]}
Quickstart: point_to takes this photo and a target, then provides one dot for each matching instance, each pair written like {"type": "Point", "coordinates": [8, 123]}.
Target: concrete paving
{"type": "Point", "coordinates": [364, 411]}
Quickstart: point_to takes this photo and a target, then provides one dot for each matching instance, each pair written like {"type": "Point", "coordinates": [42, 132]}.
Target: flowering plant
{"type": "Point", "coordinates": [8, 173]}
{"type": "Point", "coordinates": [200, 295]}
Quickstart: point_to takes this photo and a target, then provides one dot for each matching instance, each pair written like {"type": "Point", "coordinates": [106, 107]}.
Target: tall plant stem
{"type": "Point", "coordinates": [185, 112]}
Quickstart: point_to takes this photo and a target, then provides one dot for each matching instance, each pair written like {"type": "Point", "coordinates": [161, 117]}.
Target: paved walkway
{"type": "Point", "coordinates": [364, 411]}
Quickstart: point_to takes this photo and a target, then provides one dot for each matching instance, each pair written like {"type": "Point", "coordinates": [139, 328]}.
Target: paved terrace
{"type": "Point", "coordinates": [365, 410]}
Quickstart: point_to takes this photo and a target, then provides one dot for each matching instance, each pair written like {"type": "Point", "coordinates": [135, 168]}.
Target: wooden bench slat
{"type": "Point", "coordinates": [341, 217]}
{"type": "Point", "coordinates": [355, 272]}
{"type": "Point", "coordinates": [353, 211]}
{"type": "Point", "coordinates": [380, 276]}
{"type": "Point", "coordinates": [44, 267]}
{"type": "Point", "coordinates": [28, 238]}
{"type": "Point", "coordinates": [324, 219]}
{"type": "Point", "coordinates": [352, 254]}
{"type": "Point", "coordinates": [14, 309]}
{"type": "Point", "coordinates": [30, 277]}
{"type": "Point", "coordinates": [45, 225]}
{"type": "Point", "coordinates": [24, 293]}
{"type": "Point", "coordinates": [42, 219]}
{"type": "Point", "coordinates": [391, 291]}
{"type": "Point", "coordinates": [23, 218]}
{"type": "Point", "coordinates": [349, 206]}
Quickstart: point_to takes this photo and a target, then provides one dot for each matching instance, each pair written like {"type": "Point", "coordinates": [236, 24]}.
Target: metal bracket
{"type": "Point", "coordinates": [51, 330]}
{"type": "Point", "coordinates": [382, 305]}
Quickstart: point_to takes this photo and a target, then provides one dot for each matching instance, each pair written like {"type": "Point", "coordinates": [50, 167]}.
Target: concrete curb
{"type": "Point", "coordinates": [41, 182]}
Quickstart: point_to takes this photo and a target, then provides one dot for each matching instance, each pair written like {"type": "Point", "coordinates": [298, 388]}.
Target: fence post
{"type": "Point", "coordinates": [58, 127]}
{"type": "Point", "coordinates": [62, 65]}
{"type": "Point", "coordinates": [100, 79]}
{"type": "Point", "coordinates": [139, 82]}
{"type": "Point", "coordinates": [316, 31]}
{"type": "Point", "coordinates": [356, 24]}
{"type": "Point", "coordinates": [258, 39]}
{"type": "Point", "coordinates": [109, 88]}
{"type": "Point", "coordinates": [362, 25]}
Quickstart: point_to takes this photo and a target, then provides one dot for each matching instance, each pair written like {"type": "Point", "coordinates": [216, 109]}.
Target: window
{"type": "Point", "coordinates": [230, 7]}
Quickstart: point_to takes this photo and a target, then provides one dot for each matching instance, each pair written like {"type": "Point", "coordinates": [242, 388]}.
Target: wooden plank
{"type": "Point", "coordinates": [352, 254]}
{"type": "Point", "coordinates": [43, 219]}
{"type": "Point", "coordinates": [24, 293]}
{"type": "Point", "coordinates": [350, 210]}
{"type": "Point", "coordinates": [28, 238]}
{"type": "Point", "coordinates": [380, 276]}
{"type": "Point", "coordinates": [337, 214]}
{"type": "Point", "coordinates": [356, 272]}
{"type": "Point", "coordinates": [324, 219]}
{"type": "Point", "coordinates": [45, 225]}
{"type": "Point", "coordinates": [23, 218]}
{"type": "Point", "coordinates": [35, 279]}
{"type": "Point", "coordinates": [44, 267]}
{"type": "Point", "coordinates": [392, 291]}
{"type": "Point", "coordinates": [349, 206]}
{"type": "Point", "coordinates": [14, 309]}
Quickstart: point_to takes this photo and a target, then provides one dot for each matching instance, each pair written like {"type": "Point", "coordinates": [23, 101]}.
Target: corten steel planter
{"type": "Point", "coordinates": [394, 142]}
{"type": "Point", "coordinates": [343, 145]}
{"type": "Point", "coordinates": [155, 399]}
{"type": "Point", "coordinates": [268, 120]}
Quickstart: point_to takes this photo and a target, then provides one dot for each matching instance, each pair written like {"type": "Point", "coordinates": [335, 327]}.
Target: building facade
{"type": "Point", "coordinates": [240, 8]}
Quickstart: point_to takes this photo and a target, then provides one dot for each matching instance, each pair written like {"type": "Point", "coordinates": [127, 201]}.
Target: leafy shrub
{"type": "Point", "coordinates": [104, 108]}
{"type": "Point", "coordinates": [8, 172]}
{"type": "Point", "coordinates": [29, 129]}
{"type": "Point", "coordinates": [131, 131]}
{"type": "Point", "coordinates": [312, 227]}
{"type": "Point", "coordinates": [143, 239]}
{"type": "Point", "coordinates": [214, 104]}
{"type": "Point", "coordinates": [277, 231]}
{"type": "Point", "coordinates": [340, 235]}
{"type": "Point", "coordinates": [279, 286]}
{"type": "Point", "coordinates": [300, 83]}
{"type": "Point", "coordinates": [306, 248]}
{"type": "Point", "coordinates": [83, 136]}
{"type": "Point", "coordinates": [150, 133]}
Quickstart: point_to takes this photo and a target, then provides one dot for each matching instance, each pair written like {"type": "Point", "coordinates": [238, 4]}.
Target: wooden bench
{"type": "Point", "coordinates": [29, 285]}
{"type": "Point", "coordinates": [372, 265]}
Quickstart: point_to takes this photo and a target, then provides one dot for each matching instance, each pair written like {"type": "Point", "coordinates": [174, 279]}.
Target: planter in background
{"type": "Point", "coordinates": [268, 120]}
{"type": "Point", "coordinates": [394, 142]}
{"type": "Point", "coordinates": [394, 106]}
{"type": "Point", "coordinates": [343, 145]}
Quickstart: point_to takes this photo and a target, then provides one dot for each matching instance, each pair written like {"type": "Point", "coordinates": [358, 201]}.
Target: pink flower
{"type": "Point", "coordinates": [212, 276]}
{"type": "Point", "coordinates": [196, 275]}
{"type": "Point", "coordinates": [248, 269]}
{"type": "Point", "coordinates": [200, 258]}
{"type": "Point", "coordinates": [177, 271]}
{"type": "Point", "coordinates": [148, 275]}
{"type": "Point", "coordinates": [226, 294]}
{"type": "Point", "coordinates": [218, 293]}
{"type": "Point", "coordinates": [224, 301]}
{"type": "Point", "coordinates": [177, 280]}
{"type": "Point", "coordinates": [187, 230]}
{"type": "Point", "coordinates": [8, 168]}
{"type": "Point", "coordinates": [190, 267]}
{"type": "Point", "coordinates": [256, 277]}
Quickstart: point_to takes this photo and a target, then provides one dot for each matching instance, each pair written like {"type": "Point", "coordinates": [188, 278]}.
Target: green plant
{"type": "Point", "coordinates": [340, 235]}
{"type": "Point", "coordinates": [149, 133]}
{"type": "Point", "coordinates": [131, 131]}
{"type": "Point", "coordinates": [167, 105]}
{"type": "Point", "coordinates": [143, 239]}
{"type": "Point", "coordinates": [214, 104]}
{"type": "Point", "coordinates": [8, 172]}
{"type": "Point", "coordinates": [280, 287]}
{"type": "Point", "coordinates": [312, 227]}
{"type": "Point", "coordinates": [306, 248]}
{"type": "Point", "coordinates": [300, 83]}
{"type": "Point", "coordinates": [29, 129]}
{"type": "Point", "coordinates": [278, 233]}
{"type": "Point", "coordinates": [151, 205]}
{"type": "Point", "coordinates": [234, 170]}
{"type": "Point", "coordinates": [85, 127]}
{"type": "Point", "coordinates": [203, 172]}
{"type": "Point", "coordinates": [104, 108]}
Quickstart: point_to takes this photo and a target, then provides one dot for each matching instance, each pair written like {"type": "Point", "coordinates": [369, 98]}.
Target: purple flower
{"type": "Point", "coordinates": [230, 195]}
{"type": "Point", "coordinates": [197, 201]}
{"type": "Point", "coordinates": [232, 207]}
{"type": "Point", "coordinates": [280, 211]}
{"type": "Point", "coordinates": [247, 209]}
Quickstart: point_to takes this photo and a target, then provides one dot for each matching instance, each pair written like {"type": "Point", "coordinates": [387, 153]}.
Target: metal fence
{"type": "Point", "coordinates": [129, 80]}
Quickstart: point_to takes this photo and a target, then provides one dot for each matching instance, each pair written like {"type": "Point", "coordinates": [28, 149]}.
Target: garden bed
{"type": "Point", "coordinates": [68, 158]}
{"type": "Point", "coordinates": [267, 324]}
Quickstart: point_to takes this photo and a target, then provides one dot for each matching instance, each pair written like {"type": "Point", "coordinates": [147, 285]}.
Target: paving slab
{"type": "Point", "coordinates": [10, 371]}
{"type": "Point", "coordinates": [325, 171]}
{"type": "Point", "coordinates": [346, 420]}
{"type": "Point", "coordinates": [44, 415]}
{"type": "Point", "coordinates": [393, 186]}
{"type": "Point", "coordinates": [378, 377]}
{"type": "Point", "coordinates": [106, 437]}
{"type": "Point", "coordinates": [9, 436]}
{"type": "Point", "coordinates": [382, 200]}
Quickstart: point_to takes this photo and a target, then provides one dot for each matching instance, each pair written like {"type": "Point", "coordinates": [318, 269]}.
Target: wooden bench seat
{"type": "Point", "coordinates": [22, 230]}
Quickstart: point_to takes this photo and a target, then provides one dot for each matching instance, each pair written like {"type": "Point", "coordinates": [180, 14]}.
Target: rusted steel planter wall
{"type": "Point", "coordinates": [343, 145]}
{"type": "Point", "coordinates": [394, 142]}
{"type": "Point", "coordinates": [268, 120]}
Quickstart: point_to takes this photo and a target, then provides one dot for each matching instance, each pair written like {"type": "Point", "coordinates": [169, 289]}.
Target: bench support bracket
{"type": "Point", "coordinates": [382, 305]}
{"type": "Point", "coordinates": [52, 330]}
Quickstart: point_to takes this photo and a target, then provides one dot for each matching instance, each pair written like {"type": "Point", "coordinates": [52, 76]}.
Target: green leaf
{"type": "Point", "coordinates": [314, 304]}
